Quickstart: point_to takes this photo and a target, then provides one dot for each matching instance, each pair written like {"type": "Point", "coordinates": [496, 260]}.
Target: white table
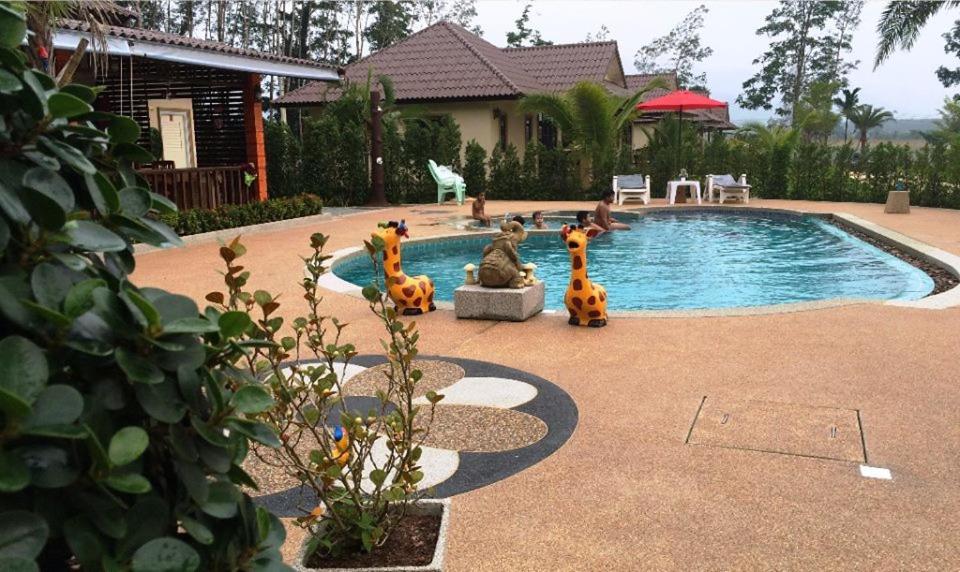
{"type": "Point", "coordinates": [672, 187]}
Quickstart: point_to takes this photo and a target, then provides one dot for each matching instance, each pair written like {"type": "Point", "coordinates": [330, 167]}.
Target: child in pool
{"type": "Point", "coordinates": [538, 221]}
{"type": "Point", "coordinates": [592, 229]}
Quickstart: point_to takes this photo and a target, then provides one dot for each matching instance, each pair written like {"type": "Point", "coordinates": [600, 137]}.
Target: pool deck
{"type": "Point", "coordinates": [627, 492]}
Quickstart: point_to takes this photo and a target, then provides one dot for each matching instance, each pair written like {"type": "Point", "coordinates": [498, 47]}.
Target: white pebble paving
{"type": "Point", "coordinates": [437, 465]}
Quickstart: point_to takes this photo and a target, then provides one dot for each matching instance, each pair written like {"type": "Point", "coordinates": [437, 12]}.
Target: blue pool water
{"type": "Point", "coordinates": [686, 260]}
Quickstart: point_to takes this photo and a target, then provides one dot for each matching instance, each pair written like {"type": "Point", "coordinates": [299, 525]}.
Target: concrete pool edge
{"type": "Point", "coordinates": [931, 254]}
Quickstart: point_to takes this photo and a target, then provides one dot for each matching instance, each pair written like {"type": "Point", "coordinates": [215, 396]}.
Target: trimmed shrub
{"type": "Point", "coordinates": [124, 420]}
{"type": "Point", "coordinates": [195, 221]}
{"type": "Point", "coordinates": [335, 154]}
{"type": "Point", "coordinates": [425, 139]}
{"type": "Point", "coordinates": [475, 169]}
{"type": "Point", "coordinates": [283, 159]}
{"type": "Point", "coordinates": [504, 172]}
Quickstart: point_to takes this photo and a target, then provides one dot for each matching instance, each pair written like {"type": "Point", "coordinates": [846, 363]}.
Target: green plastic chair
{"type": "Point", "coordinates": [448, 182]}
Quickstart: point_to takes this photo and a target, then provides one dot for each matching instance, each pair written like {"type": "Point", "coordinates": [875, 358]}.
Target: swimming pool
{"type": "Point", "coordinates": [690, 260]}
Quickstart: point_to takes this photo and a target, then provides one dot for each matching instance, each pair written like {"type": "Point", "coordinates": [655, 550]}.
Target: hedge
{"type": "Point", "coordinates": [196, 221]}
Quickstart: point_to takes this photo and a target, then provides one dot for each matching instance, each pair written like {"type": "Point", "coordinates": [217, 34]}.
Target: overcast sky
{"type": "Point", "coordinates": [905, 84]}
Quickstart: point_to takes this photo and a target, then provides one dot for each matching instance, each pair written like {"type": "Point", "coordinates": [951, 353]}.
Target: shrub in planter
{"type": "Point", "coordinates": [362, 496]}
{"type": "Point", "coordinates": [123, 422]}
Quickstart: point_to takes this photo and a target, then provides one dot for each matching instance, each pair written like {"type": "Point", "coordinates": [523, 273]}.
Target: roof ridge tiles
{"type": "Point", "coordinates": [555, 46]}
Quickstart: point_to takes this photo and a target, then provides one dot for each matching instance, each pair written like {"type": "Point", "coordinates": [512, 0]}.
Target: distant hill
{"type": "Point", "coordinates": [897, 129]}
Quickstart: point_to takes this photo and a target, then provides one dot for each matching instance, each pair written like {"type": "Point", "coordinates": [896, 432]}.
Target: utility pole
{"type": "Point", "coordinates": [378, 195]}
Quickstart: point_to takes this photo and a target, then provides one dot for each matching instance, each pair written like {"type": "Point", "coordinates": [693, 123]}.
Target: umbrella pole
{"type": "Point", "coordinates": [680, 140]}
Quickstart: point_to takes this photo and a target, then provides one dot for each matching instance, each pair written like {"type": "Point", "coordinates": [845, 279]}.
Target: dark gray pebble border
{"type": "Point", "coordinates": [552, 405]}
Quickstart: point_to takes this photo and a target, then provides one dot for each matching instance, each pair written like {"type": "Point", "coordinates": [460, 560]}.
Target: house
{"type": "Point", "coordinates": [198, 102]}
{"type": "Point", "coordinates": [449, 70]}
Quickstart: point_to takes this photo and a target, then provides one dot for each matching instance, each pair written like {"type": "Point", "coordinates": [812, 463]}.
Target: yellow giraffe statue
{"type": "Point", "coordinates": [413, 295]}
{"type": "Point", "coordinates": [585, 300]}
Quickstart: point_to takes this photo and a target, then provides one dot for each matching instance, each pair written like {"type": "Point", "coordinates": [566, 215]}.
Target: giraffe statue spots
{"type": "Point", "coordinates": [585, 300]}
{"type": "Point", "coordinates": [413, 295]}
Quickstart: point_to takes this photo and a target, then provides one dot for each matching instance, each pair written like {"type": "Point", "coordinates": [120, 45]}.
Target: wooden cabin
{"type": "Point", "coordinates": [198, 104]}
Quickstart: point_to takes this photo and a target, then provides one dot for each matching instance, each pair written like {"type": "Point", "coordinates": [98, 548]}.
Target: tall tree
{"type": "Point", "coordinates": [814, 115]}
{"type": "Point", "coordinates": [950, 77]}
{"type": "Point", "coordinates": [602, 35]}
{"type": "Point", "coordinates": [392, 22]}
{"type": "Point", "coordinates": [846, 22]}
{"type": "Point", "coordinates": [678, 51]}
{"type": "Point", "coordinates": [186, 15]}
{"type": "Point", "coordinates": [524, 34]}
{"type": "Point", "coordinates": [866, 117]}
{"type": "Point", "coordinates": [846, 104]}
{"type": "Point", "coordinates": [463, 12]}
{"type": "Point", "coordinates": [804, 49]}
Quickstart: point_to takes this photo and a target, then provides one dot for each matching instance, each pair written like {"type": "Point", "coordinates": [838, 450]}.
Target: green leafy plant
{"type": "Point", "coordinates": [591, 121]}
{"type": "Point", "coordinates": [362, 495]}
{"type": "Point", "coordinates": [122, 417]}
{"type": "Point", "coordinates": [504, 171]}
{"type": "Point", "coordinates": [195, 221]}
{"type": "Point", "coordinates": [475, 169]}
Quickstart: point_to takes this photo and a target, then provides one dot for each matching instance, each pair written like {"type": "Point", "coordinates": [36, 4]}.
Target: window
{"type": "Point", "coordinates": [548, 132]}
{"type": "Point", "coordinates": [527, 128]}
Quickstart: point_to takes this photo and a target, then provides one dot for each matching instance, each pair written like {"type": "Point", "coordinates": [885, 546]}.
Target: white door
{"type": "Point", "coordinates": [175, 133]}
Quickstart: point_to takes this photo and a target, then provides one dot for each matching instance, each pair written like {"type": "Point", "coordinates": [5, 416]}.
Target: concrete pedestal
{"type": "Point", "coordinates": [511, 304]}
{"type": "Point", "coordinates": [898, 202]}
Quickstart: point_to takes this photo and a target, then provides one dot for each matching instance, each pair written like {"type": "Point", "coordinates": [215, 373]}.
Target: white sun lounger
{"type": "Point", "coordinates": [631, 187]}
{"type": "Point", "coordinates": [728, 187]}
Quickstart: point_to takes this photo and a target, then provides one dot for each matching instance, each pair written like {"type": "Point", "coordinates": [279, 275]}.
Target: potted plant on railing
{"type": "Point", "coordinates": [361, 466]}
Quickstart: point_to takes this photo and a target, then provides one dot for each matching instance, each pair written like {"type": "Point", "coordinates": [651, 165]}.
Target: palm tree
{"type": "Point", "coordinates": [591, 120]}
{"type": "Point", "coordinates": [901, 22]}
{"type": "Point", "coordinates": [774, 147]}
{"type": "Point", "coordinates": [43, 18]}
{"type": "Point", "coordinates": [866, 117]}
{"type": "Point", "coordinates": [846, 104]}
{"type": "Point", "coordinates": [768, 137]}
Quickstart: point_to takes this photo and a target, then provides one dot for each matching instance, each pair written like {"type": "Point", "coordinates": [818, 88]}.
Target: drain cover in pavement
{"type": "Point", "coordinates": [786, 428]}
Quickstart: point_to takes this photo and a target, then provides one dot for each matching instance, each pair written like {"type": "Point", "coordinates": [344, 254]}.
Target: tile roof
{"type": "Point", "coordinates": [443, 61]}
{"type": "Point", "coordinates": [559, 67]}
{"type": "Point", "coordinates": [636, 82]}
{"type": "Point", "coordinates": [187, 42]}
{"type": "Point", "coordinates": [447, 62]}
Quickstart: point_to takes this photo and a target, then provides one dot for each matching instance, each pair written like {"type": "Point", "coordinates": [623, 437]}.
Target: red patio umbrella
{"type": "Point", "coordinates": [680, 101]}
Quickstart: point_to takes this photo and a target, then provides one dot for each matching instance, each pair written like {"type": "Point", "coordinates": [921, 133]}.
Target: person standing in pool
{"type": "Point", "coordinates": [478, 209]}
{"type": "Point", "coordinates": [602, 218]}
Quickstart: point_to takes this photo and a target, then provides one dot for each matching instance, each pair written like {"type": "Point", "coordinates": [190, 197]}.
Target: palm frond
{"type": "Point", "coordinates": [628, 108]}
{"type": "Point", "coordinates": [594, 110]}
{"type": "Point", "coordinates": [556, 107]}
{"type": "Point", "coordinates": [44, 17]}
{"type": "Point", "coordinates": [901, 22]}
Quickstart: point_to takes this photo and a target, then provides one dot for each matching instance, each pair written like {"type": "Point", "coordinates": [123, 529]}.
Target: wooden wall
{"type": "Point", "coordinates": [217, 95]}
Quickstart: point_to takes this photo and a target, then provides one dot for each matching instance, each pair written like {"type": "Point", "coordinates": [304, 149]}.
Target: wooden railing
{"type": "Point", "coordinates": [200, 188]}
